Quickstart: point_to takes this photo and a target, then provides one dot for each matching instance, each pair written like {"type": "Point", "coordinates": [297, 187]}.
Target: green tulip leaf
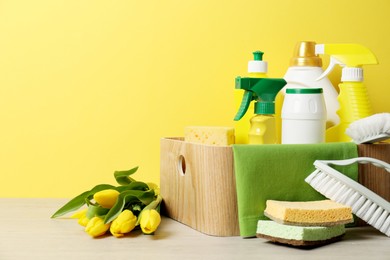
{"type": "Point", "coordinates": [128, 197]}
{"type": "Point", "coordinates": [78, 201]}
{"type": "Point", "coordinates": [123, 177]}
{"type": "Point", "coordinates": [135, 185]}
{"type": "Point", "coordinates": [96, 210]}
{"type": "Point", "coordinates": [147, 197]}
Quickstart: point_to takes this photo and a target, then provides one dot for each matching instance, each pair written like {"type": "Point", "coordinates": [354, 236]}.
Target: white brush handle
{"type": "Point", "coordinates": [361, 160]}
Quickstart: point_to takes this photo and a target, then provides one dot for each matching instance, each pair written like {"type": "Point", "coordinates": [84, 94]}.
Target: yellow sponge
{"type": "Point", "coordinates": [210, 135]}
{"type": "Point", "coordinates": [308, 213]}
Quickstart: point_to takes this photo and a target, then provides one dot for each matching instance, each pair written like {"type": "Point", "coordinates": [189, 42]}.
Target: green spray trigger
{"type": "Point", "coordinates": [261, 90]}
{"type": "Point", "coordinates": [246, 100]}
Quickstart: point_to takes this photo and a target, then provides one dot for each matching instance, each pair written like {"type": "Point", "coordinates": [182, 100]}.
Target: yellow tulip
{"type": "Point", "coordinates": [79, 214]}
{"type": "Point", "coordinates": [150, 220]}
{"type": "Point", "coordinates": [123, 224]}
{"type": "Point", "coordinates": [106, 198]}
{"type": "Point", "coordinates": [82, 217]}
{"type": "Point", "coordinates": [153, 186]}
{"type": "Point", "coordinates": [96, 227]}
{"type": "Point", "coordinates": [83, 221]}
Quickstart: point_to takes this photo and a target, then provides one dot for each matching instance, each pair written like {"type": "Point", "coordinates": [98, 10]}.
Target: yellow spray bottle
{"type": "Point", "coordinates": [353, 97]}
{"type": "Point", "coordinates": [257, 68]}
{"type": "Point", "coordinates": [263, 92]}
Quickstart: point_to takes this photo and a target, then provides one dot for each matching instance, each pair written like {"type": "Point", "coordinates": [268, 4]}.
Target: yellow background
{"type": "Point", "coordinates": [88, 87]}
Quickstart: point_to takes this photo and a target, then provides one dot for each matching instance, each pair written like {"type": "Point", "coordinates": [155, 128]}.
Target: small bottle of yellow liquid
{"type": "Point", "coordinates": [257, 68]}
{"type": "Point", "coordinates": [263, 92]}
{"type": "Point", "coordinates": [263, 127]}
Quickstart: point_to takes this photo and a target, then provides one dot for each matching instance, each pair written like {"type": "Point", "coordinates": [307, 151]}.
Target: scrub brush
{"type": "Point", "coordinates": [365, 204]}
{"type": "Point", "coordinates": [370, 129]}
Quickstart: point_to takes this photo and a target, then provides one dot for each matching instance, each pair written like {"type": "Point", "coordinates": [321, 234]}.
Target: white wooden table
{"type": "Point", "coordinates": [28, 232]}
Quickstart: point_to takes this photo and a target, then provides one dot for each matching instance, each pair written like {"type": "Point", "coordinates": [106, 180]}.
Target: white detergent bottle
{"type": "Point", "coordinates": [305, 68]}
{"type": "Point", "coordinates": [303, 116]}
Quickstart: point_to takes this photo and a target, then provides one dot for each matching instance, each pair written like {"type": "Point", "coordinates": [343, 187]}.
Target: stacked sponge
{"type": "Point", "coordinates": [309, 223]}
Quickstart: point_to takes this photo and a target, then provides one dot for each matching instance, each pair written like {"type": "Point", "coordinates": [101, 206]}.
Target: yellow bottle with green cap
{"type": "Point", "coordinates": [263, 92]}
{"type": "Point", "coordinates": [257, 68]}
{"type": "Point", "coordinates": [353, 97]}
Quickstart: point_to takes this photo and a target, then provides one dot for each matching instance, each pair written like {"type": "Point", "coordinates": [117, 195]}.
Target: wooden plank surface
{"type": "Point", "coordinates": [27, 232]}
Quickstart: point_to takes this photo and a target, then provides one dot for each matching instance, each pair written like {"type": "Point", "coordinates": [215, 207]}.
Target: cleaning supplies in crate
{"type": "Point", "coordinates": [263, 91]}
{"type": "Point", "coordinates": [353, 98]}
{"type": "Point", "coordinates": [303, 116]}
{"type": "Point", "coordinates": [304, 223]}
{"type": "Point", "coordinates": [263, 172]}
{"type": "Point", "coordinates": [257, 68]}
{"type": "Point", "coordinates": [370, 129]}
{"type": "Point", "coordinates": [365, 204]}
{"type": "Point", "coordinates": [305, 68]}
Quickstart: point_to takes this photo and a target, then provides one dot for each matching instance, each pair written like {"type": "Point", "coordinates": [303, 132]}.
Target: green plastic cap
{"type": "Point", "coordinates": [258, 55]}
{"type": "Point", "coordinates": [257, 65]}
{"type": "Point", "coordinates": [264, 108]}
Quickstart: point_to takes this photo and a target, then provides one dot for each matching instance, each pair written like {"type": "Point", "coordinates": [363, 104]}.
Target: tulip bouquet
{"type": "Point", "coordinates": [118, 209]}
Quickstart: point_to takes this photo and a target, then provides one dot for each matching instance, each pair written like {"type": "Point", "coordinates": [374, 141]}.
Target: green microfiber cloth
{"type": "Point", "coordinates": [278, 172]}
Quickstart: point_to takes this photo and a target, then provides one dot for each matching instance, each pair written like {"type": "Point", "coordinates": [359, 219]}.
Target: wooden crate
{"type": "Point", "coordinates": [375, 178]}
{"type": "Point", "coordinates": [198, 186]}
{"type": "Point", "coordinates": [199, 190]}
